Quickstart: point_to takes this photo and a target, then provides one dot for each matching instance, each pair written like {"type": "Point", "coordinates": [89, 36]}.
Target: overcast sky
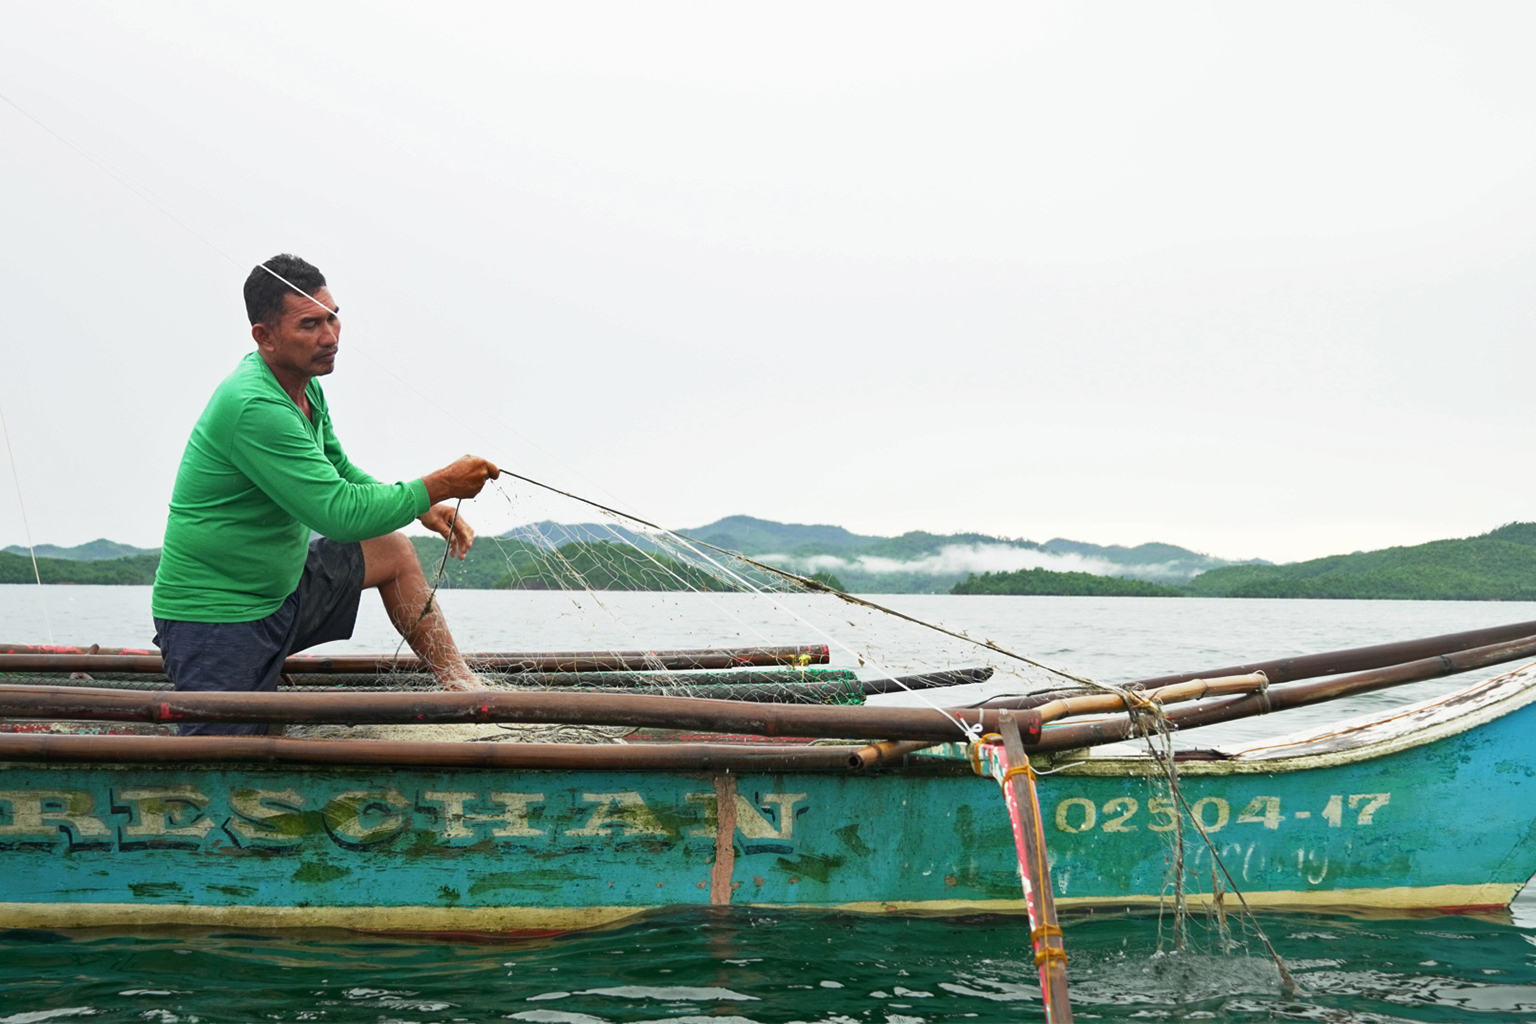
{"type": "Point", "coordinates": [1253, 279]}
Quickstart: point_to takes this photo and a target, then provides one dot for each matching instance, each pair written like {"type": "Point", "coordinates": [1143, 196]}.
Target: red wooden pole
{"type": "Point", "coordinates": [1018, 781]}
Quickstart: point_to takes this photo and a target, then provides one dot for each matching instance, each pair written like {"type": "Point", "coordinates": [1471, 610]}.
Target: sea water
{"type": "Point", "coordinates": [740, 966]}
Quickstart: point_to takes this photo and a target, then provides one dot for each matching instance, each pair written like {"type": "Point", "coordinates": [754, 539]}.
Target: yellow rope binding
{"type": "Point", "coordinates": [1049, 954]}
{"type": "Point", "coordinates": [1019, 769]}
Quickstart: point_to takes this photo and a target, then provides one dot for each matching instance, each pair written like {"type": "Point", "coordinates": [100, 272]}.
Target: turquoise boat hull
{"type": "Point", "coordinates": [1437, 813]}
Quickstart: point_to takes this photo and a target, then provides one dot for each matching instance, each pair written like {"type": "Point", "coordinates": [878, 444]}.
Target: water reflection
{"type": "Point", "coordinates": [758, 968]}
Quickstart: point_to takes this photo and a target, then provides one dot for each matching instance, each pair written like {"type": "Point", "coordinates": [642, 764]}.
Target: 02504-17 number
{"type": "Point", "coordinates": [1213, 813]}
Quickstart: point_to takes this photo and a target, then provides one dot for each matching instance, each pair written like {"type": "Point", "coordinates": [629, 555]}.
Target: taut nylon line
{"type": "Point", "coordinates": [806, 581]}
{"type": "Point", "coordinates": [25, 526]}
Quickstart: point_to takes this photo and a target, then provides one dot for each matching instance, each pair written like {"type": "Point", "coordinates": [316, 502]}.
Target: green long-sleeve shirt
{"type": "Point", "coordinates": [256, 478]}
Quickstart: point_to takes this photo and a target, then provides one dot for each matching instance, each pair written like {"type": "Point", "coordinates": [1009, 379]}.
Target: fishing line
{"type": "Point", "coordinates": [437, 580]}
{"type": "Point", "coordinates": [748, 585]}
{"type": "Point", "coordinates": [967, 731]}
{"type": "Point", "coordinates": [554, 550]}
{"type": "Point", "coordinates": [552, 547]}
{"type": "Point", "coordinates": [25, 526]}
{"type": "Point", "coordinates": [660, 563]}
{"type": "Point", "coordinates": [810, 584]}
{"type": "Point", "coordinates": [805, 581]}
{"type": "Point", "coordinates": [123, 180]}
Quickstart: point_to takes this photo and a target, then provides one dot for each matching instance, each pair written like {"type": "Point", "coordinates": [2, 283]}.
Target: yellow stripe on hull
{"type": "Point", "coordinates": [1426, 897]}
{"type": "Point", "coordinates": [563, 919]}
{"type": "Point", "coordinates": [382, 919]}
{"type": "Point", "coordinates": [1405, 897]}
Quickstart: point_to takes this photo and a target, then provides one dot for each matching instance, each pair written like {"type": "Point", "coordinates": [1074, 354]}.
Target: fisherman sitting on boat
{"type": "Point", "coordinates": [240, 585]}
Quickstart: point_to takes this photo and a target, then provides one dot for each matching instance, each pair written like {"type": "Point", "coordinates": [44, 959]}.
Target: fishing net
{"type": "Point", "coordinates": [626, 585]}
{"type": "Point", "coordinates": [1207, 938]}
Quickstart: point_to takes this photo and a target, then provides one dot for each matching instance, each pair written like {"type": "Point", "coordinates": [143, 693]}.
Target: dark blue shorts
{"type": "Point", "coordinates": [248, 656]}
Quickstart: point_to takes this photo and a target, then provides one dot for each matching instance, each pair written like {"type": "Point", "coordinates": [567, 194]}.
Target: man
{"type": "Point", "coordinates": [240, 586]}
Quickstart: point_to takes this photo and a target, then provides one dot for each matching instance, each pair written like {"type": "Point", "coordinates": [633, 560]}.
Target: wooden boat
{"type": "Point", "coordinates": [1426, 806]}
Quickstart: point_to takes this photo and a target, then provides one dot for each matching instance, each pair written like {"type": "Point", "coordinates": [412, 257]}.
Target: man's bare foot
{"type": "Point", "coordinates": [469, 682]}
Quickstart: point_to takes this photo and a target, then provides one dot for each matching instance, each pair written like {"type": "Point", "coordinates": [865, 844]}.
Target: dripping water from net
{"type": "Point", "coordinates": [1153, 725]}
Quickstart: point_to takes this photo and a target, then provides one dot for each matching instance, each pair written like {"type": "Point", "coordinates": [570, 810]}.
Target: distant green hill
{"type": "Point", "coordinates": [600, 565]}
{"type": "Point", "coordinates": [1497, 566]}
{"type": "Point", "coordinates": [90, 551]}
{"type": "Point", "coordinates": [760, 536]}
{"type": "Point", "coordinates": [485, 565]}
{"type": "Point", "coordinates": [499, 564]}
{"type": "Point", "coordinates": [139, 569]}
{"type": "Point", "coordinates": [1060, 584]}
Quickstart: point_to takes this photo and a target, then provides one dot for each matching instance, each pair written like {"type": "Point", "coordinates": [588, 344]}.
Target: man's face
{"type": "Point", "coordinates": [303, 340]}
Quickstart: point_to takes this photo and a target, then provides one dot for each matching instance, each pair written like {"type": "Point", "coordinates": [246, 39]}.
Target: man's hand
{"type": "Point", "coordinates": [440, 519]}
{"type": "Point", "coordinates": [460, 479]}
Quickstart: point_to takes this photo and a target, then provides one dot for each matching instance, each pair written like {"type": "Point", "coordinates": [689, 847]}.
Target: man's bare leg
{"type": "Point", "coordinates": [390, 564]}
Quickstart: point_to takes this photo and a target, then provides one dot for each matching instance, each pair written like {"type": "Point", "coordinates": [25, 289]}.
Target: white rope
{"type": "Point", "coordinates": [122, 179]}
{"type": "Point", "coordinates": [26, 527]}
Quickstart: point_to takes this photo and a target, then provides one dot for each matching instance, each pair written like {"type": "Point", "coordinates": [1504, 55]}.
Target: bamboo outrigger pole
{"type": "Point", "coordinates": [1071, 735]}
{"type": "Point", "coordinates": [206, 750]}
{"type": "Point", "coordinates": [19, 658]}
{"type": "Point", "coordinates": [1261, 701]}
{"type": "Point", "coordinates": [1058, 706]}
{"type": "Point", "coordinates": [1329, 663]}
{"type": "Point", "coordinates": [80, 703]}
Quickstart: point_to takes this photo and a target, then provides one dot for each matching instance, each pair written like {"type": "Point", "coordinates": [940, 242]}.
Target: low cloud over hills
{"type": "Point", "coordinates": [920, 562]}
{"type": "Point", "coordinates": [915, 562]}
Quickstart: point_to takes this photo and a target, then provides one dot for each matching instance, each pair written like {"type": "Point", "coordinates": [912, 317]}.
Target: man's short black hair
{"type": "Point", "coordinates": [264, 293]}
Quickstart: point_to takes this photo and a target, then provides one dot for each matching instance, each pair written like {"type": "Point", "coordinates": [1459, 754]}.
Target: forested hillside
{"type": "Point", "coordinates": [1061, 584]}
{"type": "Point", "coordinates": [140, 569]}
{"type": "Point", "coordinates": [1497, 566]}
{"type": "Point", "coordinates": [499, 564]}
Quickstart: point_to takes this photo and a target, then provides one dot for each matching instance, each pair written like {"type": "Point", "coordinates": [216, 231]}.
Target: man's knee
{"type": "Point", "coordinates": [388, 558]}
